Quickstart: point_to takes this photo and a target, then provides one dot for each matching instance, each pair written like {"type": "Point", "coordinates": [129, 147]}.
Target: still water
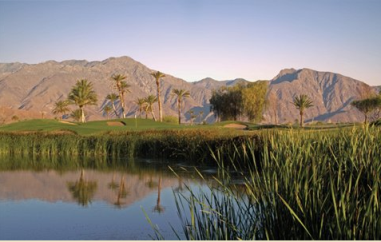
{"type": "Point", "coordinates": [95, 204]}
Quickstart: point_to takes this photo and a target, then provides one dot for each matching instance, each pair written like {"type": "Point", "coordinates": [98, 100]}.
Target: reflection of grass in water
{"type": "Point", "coordinates": [302, 186]}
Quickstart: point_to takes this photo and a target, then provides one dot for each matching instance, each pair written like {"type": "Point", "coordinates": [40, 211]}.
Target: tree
{"type": "Point", "coordinates": [226, 102]}
{"type": "Point", "coordinates": [61, 107]}
{"type": "Point", "coordinates": [122, 88]}
{"type": "Point", "coordinates": [157, 75]}
{"type": "Point", "coordinates": [76, 115]}
{"type": "Point", "coordinates": [368, 105]}
{"type": "Point", "coordinates": [150, 100]}
{"type": "Point", "coordinates": [254, 100]}
{"type": "Point", "coordinates": [107, 109]}
{"type": "Point", "coordinates": [180, 94]}
{"type": "Point", "coordinates": [82, 94]}
{"type": "Point", "coordinates": [302, 102]}
{"type": "Point", "coordinates": [112, 97]}
{"type": "Point", "coordinates": [141, 102]}
{"type": "Point", "coordinates": [272, 103]}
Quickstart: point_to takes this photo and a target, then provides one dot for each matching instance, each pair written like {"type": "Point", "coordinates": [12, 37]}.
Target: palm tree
{"type": "Point", "coordinates": [150, 100]}
{"type": "Point", "coordinates": [76, 115]}
{"type": "Point", "coordinates": [112, 97]}
{"type": "Point", "coordinates": [201, 114]}
{"type": "Point", "coordinates": [107, 109]}
{"type": "Point", "coordinates": [302, 102]}
{"type": "Point", "coordinates": [157, 75]}
{"type": "Point", "coordinates": [122, 88]}
{"type": "Point", "coordinates": [180, 94]}
{"type": "Point", "coordinates": [141, 102]}
{"type": "Point", "coordinates": [82, 94]}
{"type": "Point", "coordinates": [61, 107]}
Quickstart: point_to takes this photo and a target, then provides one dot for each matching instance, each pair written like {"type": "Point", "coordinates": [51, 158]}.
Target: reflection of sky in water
{"type": "Point", "coordinates": [34, 219]}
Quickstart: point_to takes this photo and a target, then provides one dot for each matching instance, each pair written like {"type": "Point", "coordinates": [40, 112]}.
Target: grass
{"type": "Point", "coordinates": [302, 185]}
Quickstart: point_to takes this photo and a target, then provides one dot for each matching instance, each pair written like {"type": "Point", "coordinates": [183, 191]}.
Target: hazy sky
{"type": "Point", "coordinates": [194, 39]}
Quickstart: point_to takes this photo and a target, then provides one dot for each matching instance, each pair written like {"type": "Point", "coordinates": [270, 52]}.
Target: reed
{"type": "Point", "coordinates": [302, 185]}
{"type": "Point", "coordinates": [190, 145]}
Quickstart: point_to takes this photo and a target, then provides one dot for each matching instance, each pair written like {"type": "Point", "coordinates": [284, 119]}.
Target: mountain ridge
{"type": "Point", "coordinates": [36, 87]}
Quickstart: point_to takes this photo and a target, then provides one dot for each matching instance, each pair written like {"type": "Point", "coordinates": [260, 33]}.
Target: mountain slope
{"type": "Point", "coordinates": [33, 89]}
{"type": "Point", "coordinates": [38, 87]}
{"type": "Point", "coordinates": [331, 94]}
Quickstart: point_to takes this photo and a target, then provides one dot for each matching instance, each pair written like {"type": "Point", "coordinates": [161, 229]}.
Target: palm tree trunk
{"type": "Point", "coordinates": [113, 107]}
{"type": "Point", "coordinates": [301, 119]}
{"type": "Point", "coordinates": [179, 108]}
{"type": "Point", "coordinates": [153, 115]}
{"type": "Point", "coordinates": [159, 101]}
{"type": "Point", "coordinates": [82, 115]}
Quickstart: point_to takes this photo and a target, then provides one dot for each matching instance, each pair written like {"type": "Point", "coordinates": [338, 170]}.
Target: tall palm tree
{"type": "Point", "coordinates": [61, 107]}
{"type": "Point", "coordinates": [302, 102]}
{"type": "Point", "coordinates": [122, 88]}
{"type": "Point", "coordinates": [82, 94]}
{"type": "Point", "coordinates": [141, 102]}
{"type": "Point", "coordinates": [180, 94]}
{"type": "Point", "coordinates": [157, 75]}
{"type": "Point", "coordinates": [150, 100]}
{"type": "Point", "coordinates": [107, 109]}
{"type": "Point", "coordinates": [112, 97]}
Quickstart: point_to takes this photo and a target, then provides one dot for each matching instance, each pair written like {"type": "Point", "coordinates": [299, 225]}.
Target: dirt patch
{"type": "Point", "coordinates": [66, 122]}
{"type": "Point", "coordinates": [116, 124]}
{"type": "Point", "coordinates": [236, 126]}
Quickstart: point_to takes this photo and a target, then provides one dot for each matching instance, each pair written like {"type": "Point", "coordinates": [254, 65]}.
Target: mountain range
{"type": "Point", "coordinates": [30, 90]}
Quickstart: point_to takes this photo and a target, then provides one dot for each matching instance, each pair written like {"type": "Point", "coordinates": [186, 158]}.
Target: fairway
{"type": "Point", "coordinates": [95, 127]}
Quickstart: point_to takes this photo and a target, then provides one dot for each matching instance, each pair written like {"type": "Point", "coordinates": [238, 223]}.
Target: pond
{"type": "Point", "coordinates": [94, 204]}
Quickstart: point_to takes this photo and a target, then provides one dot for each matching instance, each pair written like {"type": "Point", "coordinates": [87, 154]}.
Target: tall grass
{"type": "Point", "coordinates": [302, 185]}
{"type": "Point", "coordinates": [191, 145]}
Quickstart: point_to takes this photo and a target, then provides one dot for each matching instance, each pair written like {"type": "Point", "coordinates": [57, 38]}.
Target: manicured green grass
{"type": "Point", "coordinates": [95, 127]}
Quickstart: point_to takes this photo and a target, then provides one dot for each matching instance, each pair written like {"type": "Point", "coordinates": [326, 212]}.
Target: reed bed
{"type": "Point", "coordinates": [302, 185]}
{"type": "Point", "coordinates": [190, 145]}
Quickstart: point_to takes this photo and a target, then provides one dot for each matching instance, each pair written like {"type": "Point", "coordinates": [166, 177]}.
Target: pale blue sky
{"type": "Point", "coordinates": [194, 39]}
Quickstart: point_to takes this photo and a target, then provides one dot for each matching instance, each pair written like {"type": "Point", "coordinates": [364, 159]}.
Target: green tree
{"type": "Point", "coordinates": [76, 115]}
{"type": "Point", "coordinates": [82, 94]}
{"type": "Point", "coordinates": [113, 97]}
{"type": "Point", "coordinates": [180, 94]}
{"type": "Point", "coordinates": [302, 102]}
{"type": "Point", "coordinates": [150, 100]}
{"type": "Point", "coordinates": [141, 102]}
{"type": "Point", "coordinates": [61, 107]}
{"type": "Point", "coordinates": [254, 100]}
{"type": "Point", "coordinates": [157, 75]}
{"type": "Point", "coordinates": [122, 88]}
{"type": "Point", "coordinates": [368, 105]}
{"type": "Point", "coordinates": [227, 102]}
{"type": "Point", "coordinates": [107, 109]}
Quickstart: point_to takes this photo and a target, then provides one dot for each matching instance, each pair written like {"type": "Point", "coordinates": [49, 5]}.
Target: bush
{"type": "Point", "coordinates": [171, 119]}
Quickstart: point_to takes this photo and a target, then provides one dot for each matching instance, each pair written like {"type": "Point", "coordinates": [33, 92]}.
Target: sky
{"type": "Point", "coordinates": [195, 39]}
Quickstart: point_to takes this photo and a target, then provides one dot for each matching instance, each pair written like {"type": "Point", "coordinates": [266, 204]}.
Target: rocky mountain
{"type": "Point", "coordinates": [30, 90]}
{"type": "Point", "coordinates": [37, 87]}
{"type": "Point", "coordinates": [331, 94]}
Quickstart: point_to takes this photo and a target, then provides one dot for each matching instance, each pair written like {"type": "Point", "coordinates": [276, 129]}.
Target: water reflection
{"type": "Point", "coordinates": [67, 203]}
{"type": "Point", "coordinates": [158, 208]}
{"type": "Point", "coordinates": [82, 190]}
